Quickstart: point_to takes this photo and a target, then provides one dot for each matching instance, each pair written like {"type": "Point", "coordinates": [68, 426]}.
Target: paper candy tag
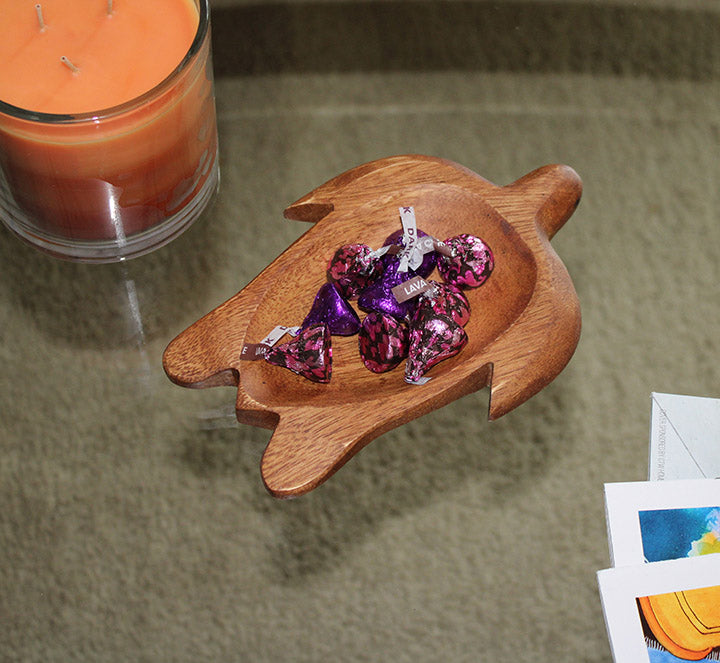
{"type": "Point", "coordinates": [410, 288]}
{"type": "Point", "coordinates": [409, 255]}
{"type": "Point", "coordinates": [419, 382]}
{"type": "Point", "coordinates": [391, 249]}
{"type": "Point", "coordinates": [443, 248]}
{"type": "Point", "coordinates": [413, 253]}
{"type": "Point", "coordinates": [253, 351]}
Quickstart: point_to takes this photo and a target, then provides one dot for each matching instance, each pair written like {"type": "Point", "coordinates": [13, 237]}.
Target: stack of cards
{"type": "Point", "coordinates": [662, 596]}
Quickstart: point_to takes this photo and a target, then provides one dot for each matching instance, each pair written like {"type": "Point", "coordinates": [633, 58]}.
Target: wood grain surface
{"type": "Point", "coordinates": [523, 329]}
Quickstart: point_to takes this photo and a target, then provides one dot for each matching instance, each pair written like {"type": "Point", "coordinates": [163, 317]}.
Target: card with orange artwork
{"type": "Point", "coordinates": [663, 612]}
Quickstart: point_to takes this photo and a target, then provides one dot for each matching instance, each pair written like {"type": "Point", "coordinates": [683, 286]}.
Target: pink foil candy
{"type": "Point", "coordinates": [308, 355]}
{"type": "Point", "coordinates": [471, 263]}
{"type": "Point", "coordinates": [352, 268]}
{"type": "Point", "coordinates": [330, 307]}
{"type": "Point", "coordinates": [446, 299]}
{"type": "Point", "coordinates": [433, 338]}
{"type": "Point", "coordinates": [383, 342]}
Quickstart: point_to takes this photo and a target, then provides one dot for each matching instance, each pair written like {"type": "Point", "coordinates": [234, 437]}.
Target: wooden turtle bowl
{"type": "Point", "coordinates": [524, 322]}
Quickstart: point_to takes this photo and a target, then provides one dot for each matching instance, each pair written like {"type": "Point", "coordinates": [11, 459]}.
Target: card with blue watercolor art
{"type": "Point", "coordinates": [652, 521]}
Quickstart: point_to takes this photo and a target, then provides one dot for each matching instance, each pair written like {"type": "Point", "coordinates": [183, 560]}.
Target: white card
{"type": "Point", "coordinates": [684, 608]}
{"type": "Point", "coordinates": [684, 437]}
{"type": "Point", "coordinates": [652, 521]}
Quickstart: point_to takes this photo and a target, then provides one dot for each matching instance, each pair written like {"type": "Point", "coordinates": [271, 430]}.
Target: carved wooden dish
{"type": "Point", "coordinates": [523, 329]}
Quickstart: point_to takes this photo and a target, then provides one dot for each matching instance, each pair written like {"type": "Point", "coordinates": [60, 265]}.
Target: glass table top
{"type": "Point", "coordinates": [134, 523]}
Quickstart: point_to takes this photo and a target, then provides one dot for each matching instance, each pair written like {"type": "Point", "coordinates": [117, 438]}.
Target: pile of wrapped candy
{"type": "Point", "coordinates": [408, 315]}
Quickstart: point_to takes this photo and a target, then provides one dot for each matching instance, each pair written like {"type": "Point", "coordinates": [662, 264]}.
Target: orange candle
{"type": "Point", "coordinates": [108, 138]}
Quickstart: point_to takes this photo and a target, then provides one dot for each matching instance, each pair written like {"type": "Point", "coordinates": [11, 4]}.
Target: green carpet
{"type": "Point", "coordinates": [133, 522]}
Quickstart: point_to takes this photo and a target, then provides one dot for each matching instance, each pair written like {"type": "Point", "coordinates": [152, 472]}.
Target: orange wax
{"type": "Point", "coordinates": [85, 173]}
{"type": "Point", "coordinates": [119, 56]}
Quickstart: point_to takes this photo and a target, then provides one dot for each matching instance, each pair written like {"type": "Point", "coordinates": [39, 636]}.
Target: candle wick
{"type": "Point", "coordinates": [69, 65]}
{"type": "Point", "coordinates": [109, 7]}
{"type": "Point", "coordinates": [41, 22]}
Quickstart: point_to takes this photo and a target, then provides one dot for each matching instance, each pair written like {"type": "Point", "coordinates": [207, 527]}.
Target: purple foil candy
{"type": "Point", "coordinates": [446, 299]}
{"type": "Point", "coordinates": [378, 296]}
{"type": "Point", "coordinates": [353, 268]}
{"type": "Point", "coordinates": [471, 264]}
{"type": "Point", "coordinates": [383, 342]}
{"type": "Point", "coordinates": [433, 338]}
{"type": "Point", "coordinates": [330, 307]}
{"type": "Point", "coordinates": [429, 259]}
{"type": "Point", "coordinates": [308, 355]}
